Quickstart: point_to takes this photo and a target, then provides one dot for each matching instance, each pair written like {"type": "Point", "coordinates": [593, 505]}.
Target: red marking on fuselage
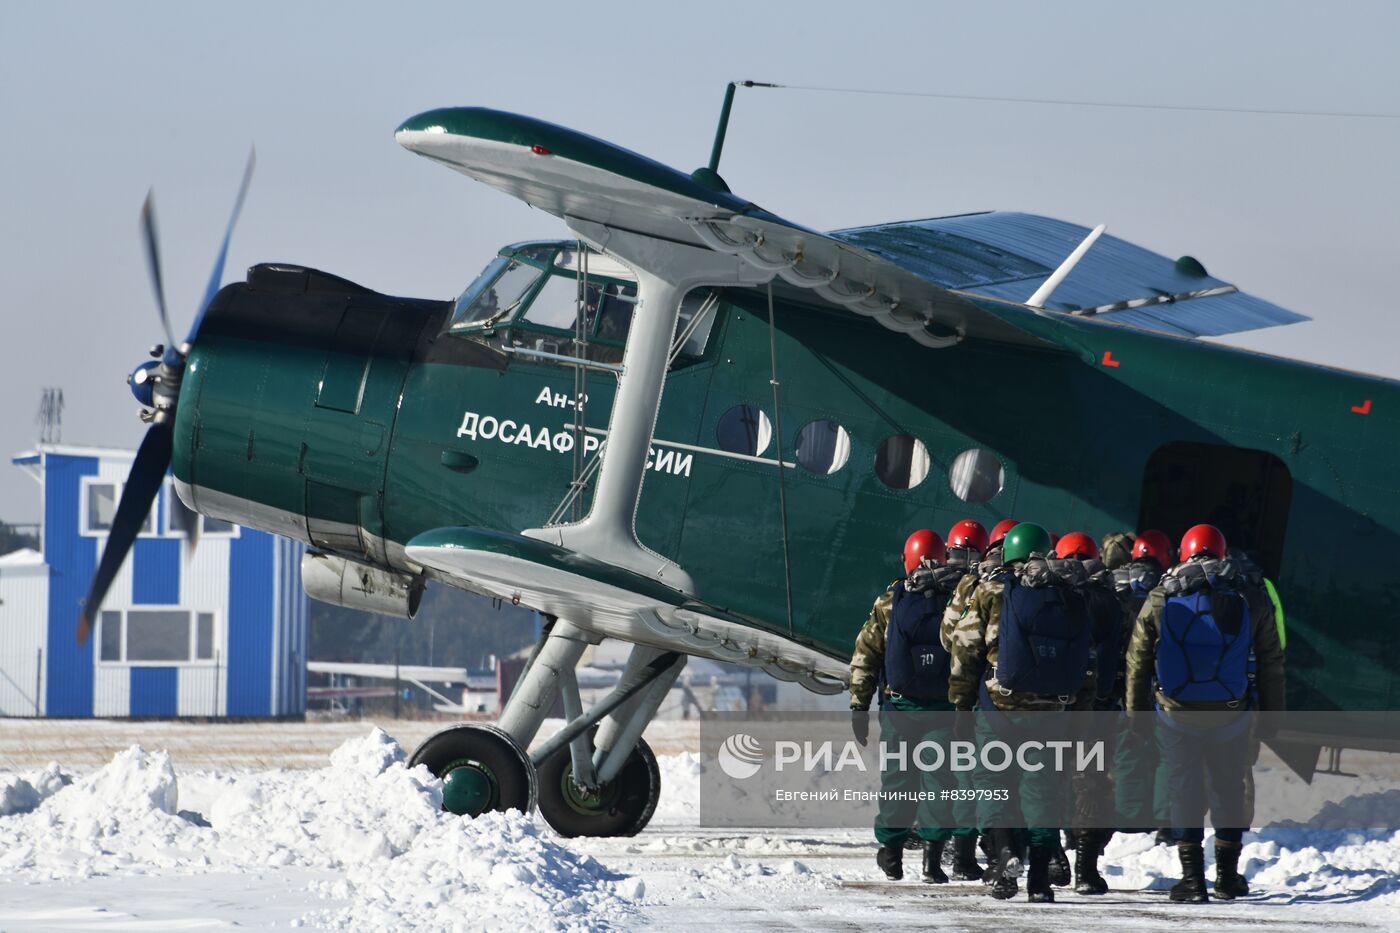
{"type": "Point", "coordinates": [1363, 409]}
{"type": "Point", "coordinates": [1108, 359]}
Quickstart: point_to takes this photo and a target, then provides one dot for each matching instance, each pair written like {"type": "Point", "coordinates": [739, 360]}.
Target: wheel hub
{"type": "Point", "coordinates": [468, 788]}
{"type": "Point", "coordinates": [587, 799]}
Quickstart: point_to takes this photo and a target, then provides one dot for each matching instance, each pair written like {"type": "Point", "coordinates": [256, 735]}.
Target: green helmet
{"type": "Point", "coordinates": [1023, 539]}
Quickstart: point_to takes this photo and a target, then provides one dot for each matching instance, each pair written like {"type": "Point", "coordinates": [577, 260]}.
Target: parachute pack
{"type": "Point", "coordinates": [1045, 638]}
{"type": "Point", "coordinates": [1110, 634]}
{"type": "Point", "coordinates": [1206, 635]}
{"type": "Point", "coordinates": [916, 663]}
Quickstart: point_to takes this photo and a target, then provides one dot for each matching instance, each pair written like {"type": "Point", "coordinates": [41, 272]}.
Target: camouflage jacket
{"type": "Point", "coordinates": [1116, 549]}
{"type": "Point", "coordinates": [972, 648]}
{"type": "Point", "coordinates": [962, 595]}
{"type": "Point", "coordinates": [868, 659]}
{"type": "Point", "coordinates": [1142, 653]}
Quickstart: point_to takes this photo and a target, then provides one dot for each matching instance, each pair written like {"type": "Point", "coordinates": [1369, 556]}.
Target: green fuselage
{"type": "Point", "coordinates": [320, 411]}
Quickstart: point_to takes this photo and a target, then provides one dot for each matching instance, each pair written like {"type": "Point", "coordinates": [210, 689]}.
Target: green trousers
{"type": "Point", "coordinates": [1037, 804]}
{"type": "Point", "coordinates": [933, 819]}
{"type": "Point", "coordinates": [1140, 786]}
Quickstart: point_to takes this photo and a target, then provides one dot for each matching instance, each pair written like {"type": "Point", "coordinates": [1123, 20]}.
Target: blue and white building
{"type": "Point", "coordinates": [217, 631]}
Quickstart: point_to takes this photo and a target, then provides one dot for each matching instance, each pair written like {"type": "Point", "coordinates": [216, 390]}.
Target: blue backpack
{"type": "Point", "coordinates": [916, 663]}
{"type": "Point", "coordinates": [1044, 641]}
{"type": "Point", "coordinates": [1204, 646]}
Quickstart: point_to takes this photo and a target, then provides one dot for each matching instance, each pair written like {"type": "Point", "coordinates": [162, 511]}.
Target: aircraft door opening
{"type": "Point", "coordinates": [1245, 493]}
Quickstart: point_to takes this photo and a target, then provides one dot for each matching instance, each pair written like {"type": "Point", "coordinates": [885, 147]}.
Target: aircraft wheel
{"type": "Point", "coordinates": [622, 807]}
{"type": "Point", "coordinates": [482, 768]}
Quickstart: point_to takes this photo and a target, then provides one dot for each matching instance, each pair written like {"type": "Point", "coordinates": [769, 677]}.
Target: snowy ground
{"type": "Point", "coordinates": [320, 826]}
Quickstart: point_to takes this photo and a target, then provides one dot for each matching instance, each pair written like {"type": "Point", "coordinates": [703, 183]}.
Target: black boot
{"type": "Point", "coordinates": [1191, 889]}
{"type": "Point", "coordinates": [1059, 865]}
{"type": "Point", "coordinates": [987, 843]}
{"type": "Point", "coordinates": [1038, 890]}
{"type": "Point", "coordinates": [965, 867]}
{"type": "Point", "coordinates": [1006, 868]}
{"type": "Point", "coordinates": [891, 861]}
{"type": "Point", "coordinates": [1164, 837]}
{"type": "Point", "coordinates": [933, 863]}
{"type": "Point", "coordinates": [1087, 847]}
{"type": "Point", "coordinates": [1229, 883]}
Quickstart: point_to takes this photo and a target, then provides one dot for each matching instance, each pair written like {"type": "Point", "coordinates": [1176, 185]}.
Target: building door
{"type": "Point", "coordinates": [1245, 493]}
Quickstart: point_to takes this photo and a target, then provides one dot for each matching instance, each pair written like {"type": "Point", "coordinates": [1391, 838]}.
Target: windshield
{"type": "Point", "coordinates": [496, 293]}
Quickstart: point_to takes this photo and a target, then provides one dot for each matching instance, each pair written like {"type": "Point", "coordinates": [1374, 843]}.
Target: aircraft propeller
{"type": "Point", "coordinates": [156, 385]}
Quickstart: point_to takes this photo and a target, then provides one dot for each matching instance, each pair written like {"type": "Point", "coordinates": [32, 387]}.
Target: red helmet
{"type": "Point", "coordinates": [923, 545]}
{"type": "Point", "coordinates": [1076, 544]}
{"type": "Point", "coordinates": [968, 533]}
{"type": "Point", "coordinates": [1154, 544]}
{"type": "Point", "coordinates": [1000, 530]}
{"type": "Point", "coordinates": [1202, 539]}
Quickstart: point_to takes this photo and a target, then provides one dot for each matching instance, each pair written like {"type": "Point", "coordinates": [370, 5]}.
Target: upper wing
{"type": "Point", "coordinates": [922, 278]}
{"type": "Point", "coordinates": [1007, 255]}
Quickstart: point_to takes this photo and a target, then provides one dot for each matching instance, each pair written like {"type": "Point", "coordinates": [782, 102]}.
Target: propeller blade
{"type": "Point", "coordinates": [142, 484]}
{"type": "Point", "coordinates": [148, 237]}
{"type": "Point", "coordinates": [217, 276]}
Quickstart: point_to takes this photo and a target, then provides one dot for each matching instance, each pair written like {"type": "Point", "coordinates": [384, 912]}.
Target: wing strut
{"type": "Point", "coordinates": [666, 271]}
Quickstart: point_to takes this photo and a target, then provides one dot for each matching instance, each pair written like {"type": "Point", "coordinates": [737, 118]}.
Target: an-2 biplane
{"type": "Point", "coordinates": [704, 430]}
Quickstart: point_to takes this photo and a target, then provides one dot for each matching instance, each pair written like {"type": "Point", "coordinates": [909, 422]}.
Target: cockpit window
{"type": "Point", "coordinates": [510, 303]}
{"type": "Point", "coordinates": [556, 305]}
{"type": "Point", "coordinates": [703, 302]}
{"type": "Point", "coordinates": [499, 299]}
{"type": "Point", "coordinates": [615, 305]}
{"type": "Point", "coordinates": [474, 290]}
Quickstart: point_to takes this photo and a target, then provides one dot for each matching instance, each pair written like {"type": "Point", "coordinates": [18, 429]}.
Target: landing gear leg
{"type": "Point", "coordinates": [605, 781]}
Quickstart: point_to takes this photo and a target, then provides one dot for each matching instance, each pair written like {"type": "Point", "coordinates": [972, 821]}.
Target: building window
{"type": "Point", "coordinates": [111, 636]}
{"type": "Point", "coordinates": [100, 501]}
{"type": "Point", "coordinates": [823, 447]}
{"type": "Point", "coordinates": [744, 429]}
{"type": "Point", "coordinates": [156, 636]}
{"type": "Point", "coordinates": [902, 461]}
{"type": "Point", "coordinates": [204, 636]}
{"type": "Point", "coordinates": [976, 475]}
{"type": "Point", "coordinates": [102, 506]}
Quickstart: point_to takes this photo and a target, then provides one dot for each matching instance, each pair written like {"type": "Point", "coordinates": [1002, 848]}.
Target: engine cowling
{"type": "Point", "coordinates": [342, 582]}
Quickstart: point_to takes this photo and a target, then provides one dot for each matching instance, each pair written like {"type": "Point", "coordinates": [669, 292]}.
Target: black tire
{"type": "Point", "coordinates": [621, 808]}
{"type": "Point", "coordinates": [486, 753]}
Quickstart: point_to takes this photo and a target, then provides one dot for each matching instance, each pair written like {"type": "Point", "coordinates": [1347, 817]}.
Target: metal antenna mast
{"type": "Point", "coordinates": [50, 416]}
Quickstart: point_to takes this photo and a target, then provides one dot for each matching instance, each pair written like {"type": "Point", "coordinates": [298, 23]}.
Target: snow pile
{"type": "Point", "coordinates": [369, 825]}
{"type": "Point", "coordinates": [1305, 864]}
{"type": "Point", "coordinates": [19, 794]}
{"type": "Point", "coordinates": [680, 789]}
{"type": "Point", "coordinates": [119, 816]}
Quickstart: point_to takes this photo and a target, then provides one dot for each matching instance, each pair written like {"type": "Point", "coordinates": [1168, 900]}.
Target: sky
{"type": "Point", "coordinates": [102, 101]}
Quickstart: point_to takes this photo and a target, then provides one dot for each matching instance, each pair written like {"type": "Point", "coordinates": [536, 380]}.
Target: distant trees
{"type": "Point", "coordinates": [453, 628]}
